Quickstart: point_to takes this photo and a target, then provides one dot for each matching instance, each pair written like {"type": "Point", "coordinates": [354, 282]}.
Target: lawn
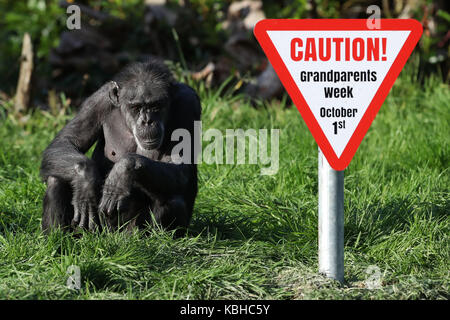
{"type": "Point", "coordinates": [252, 236]}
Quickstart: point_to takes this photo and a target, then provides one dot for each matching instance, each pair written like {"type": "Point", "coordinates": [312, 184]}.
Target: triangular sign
{"type": "Point", "coordinates": [338, 73]}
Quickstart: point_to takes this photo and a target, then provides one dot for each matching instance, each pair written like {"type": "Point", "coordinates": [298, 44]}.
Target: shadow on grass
{"type": "Point", "coordinates": [101, 277]}
{"type": "Point", "coordinates": [267, 225]}
{"type": "Point", "coordinates": [381, 220]}
{"type": "Point", "coordinates": [375, 220]}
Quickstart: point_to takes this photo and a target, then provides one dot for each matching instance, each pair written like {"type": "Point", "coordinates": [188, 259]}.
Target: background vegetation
{"type": "Point", "coordinates": [194, 46]}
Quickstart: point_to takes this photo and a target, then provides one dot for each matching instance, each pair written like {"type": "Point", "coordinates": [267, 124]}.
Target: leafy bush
{"type": "Point", "coordinates": [43, 20]}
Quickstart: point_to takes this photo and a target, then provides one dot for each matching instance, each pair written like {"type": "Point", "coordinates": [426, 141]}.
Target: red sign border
{"type": "Point", "coordinates": [260, 32]}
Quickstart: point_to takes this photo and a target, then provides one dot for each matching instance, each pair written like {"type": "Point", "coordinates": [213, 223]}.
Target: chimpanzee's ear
{"type": "Point", "coordinates": [114, 93]}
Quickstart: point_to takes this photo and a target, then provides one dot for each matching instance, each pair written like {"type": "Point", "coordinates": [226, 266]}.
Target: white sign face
{"type": "Point", "coordinates": [338, 73]}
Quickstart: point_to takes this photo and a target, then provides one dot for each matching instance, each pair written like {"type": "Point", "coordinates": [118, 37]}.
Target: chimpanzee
{"type": "Point", "coordinates": [131, 173]}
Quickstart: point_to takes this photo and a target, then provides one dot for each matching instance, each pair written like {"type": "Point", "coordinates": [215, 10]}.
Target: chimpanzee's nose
{"type": "Point", "coordinates": [146, 120]}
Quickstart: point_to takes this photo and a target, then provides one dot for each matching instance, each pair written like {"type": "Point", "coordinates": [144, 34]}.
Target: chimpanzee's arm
{"type": "Point", "coordinates": [150, 176]}
{"type": "Point", "coordinates": [156, 176]}
{"type": "Point", "coordinates": [163, 177]}
{"type": "Point", "coordinates": [68, 148]}
{"type": "Point", "coordinates": [64, 158]}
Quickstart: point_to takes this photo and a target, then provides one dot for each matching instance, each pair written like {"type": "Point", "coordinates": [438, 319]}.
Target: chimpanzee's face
{"type": "Point", "coordinates": [146, 108]}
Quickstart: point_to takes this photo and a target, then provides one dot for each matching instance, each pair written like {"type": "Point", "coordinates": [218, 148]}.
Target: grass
{"type": "Point", "coordinates": [252, 236]}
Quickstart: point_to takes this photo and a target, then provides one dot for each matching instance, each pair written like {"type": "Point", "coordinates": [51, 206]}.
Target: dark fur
{"type": "Point", "coordinates": [122, 183]}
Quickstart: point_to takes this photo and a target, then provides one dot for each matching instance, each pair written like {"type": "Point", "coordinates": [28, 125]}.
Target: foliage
{"type": "Point", "coordinates": [201, 41]}
{"type": "Point", "coordinates": [205, 36]}
{"type": "Point", "coordinates": [41, 19]}
{"type": "Point", "coordinates": [122, 9]}
{"type": "Point", "coordinates": [44, 20]}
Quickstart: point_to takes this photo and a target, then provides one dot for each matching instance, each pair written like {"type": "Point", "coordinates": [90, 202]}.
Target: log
{"type": "Point", "coordinates": [22, 98]}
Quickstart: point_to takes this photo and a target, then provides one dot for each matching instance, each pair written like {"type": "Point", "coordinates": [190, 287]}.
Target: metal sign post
{"type": "Point", "coordinates": [331, 220]}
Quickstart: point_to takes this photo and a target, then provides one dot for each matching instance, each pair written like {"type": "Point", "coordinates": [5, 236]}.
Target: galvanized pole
{"type": "Point", "coordinates": [331, 220]}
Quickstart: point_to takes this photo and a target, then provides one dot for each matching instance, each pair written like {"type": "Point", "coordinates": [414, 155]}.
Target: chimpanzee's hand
{"type": "Point", "coordinates": [117, 187]}
{"type": "Point", "coordinates": [85, 197]}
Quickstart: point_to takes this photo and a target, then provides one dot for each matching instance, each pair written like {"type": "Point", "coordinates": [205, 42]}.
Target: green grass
{"type": "Point", "coordinates": [253, 236]}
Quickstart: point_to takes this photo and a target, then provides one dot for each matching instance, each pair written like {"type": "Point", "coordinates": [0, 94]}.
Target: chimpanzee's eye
{"type": "Point", "coordinates": [155, 109]}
